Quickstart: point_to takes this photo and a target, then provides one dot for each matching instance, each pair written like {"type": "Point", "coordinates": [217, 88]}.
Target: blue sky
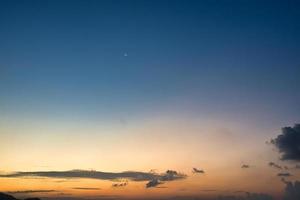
{"type": "Point", "coordinates": [215, 55]}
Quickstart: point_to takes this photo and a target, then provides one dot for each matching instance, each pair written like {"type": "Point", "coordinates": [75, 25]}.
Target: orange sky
{"type": "Point", "coordinates": [212, 145]}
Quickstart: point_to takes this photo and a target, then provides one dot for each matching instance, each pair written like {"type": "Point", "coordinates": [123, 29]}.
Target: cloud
{"type": "Point", "coordinates": [288, 143]}
{"type": "Point", "coordinates": [119, 184]}
{"type": "Point", "coordinates": [169, 175]}
{"type": "Point", "coordinates": [271, 164]}
{"type": "Point", "coordinates": [6, 196]}
{"type": "Point", "coordinates": [153, 183]}
{"type": "Point", "coordinates": [29, 191]}
{"type": "Point", "coordinates": [131, 175]}
{"type": "Point", "coordinates": [292, 190]}
{"type": "Point", "coordinates": [85, 188]}
{"type": "Point", "coordinates": [209, 190]}
{"type": "Point", "coordinates": [66, 196]}
{"type": "Point", "coordinates": [245, 166]}
{"type": "Point", "coordinates": [248, 196]}
{"type": "Point", "coordinates": [284, 174]}
{"type": "Point", "coordinates": [199, 171]}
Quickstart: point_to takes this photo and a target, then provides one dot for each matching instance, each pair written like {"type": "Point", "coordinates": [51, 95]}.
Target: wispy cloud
{"type": "Point", "coordinates": [131, 175]}
{"type": "Point", "coordinates": [30, 191]}
{"type": "Point", "coordinates": [199, 171]}
{"type": "Point", "coordinates": [245, 166]}
{"type": "Point", "coordinates": [119, 184]}
{"type": "Point", "coordinates": [153, 183]}
{"type": "Point", "coordinates": [169, 175]}
{"type": "Point", "coordinates": [272, 164]}
{"type": "Point", "coordinates": [209, 190]}
{"type": "Point", "coordinates": [284, 174]}
{"type": "Point", "coordinates": [85, 188]}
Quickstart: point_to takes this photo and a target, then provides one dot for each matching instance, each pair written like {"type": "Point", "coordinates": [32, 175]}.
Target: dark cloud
{"type": "Point", "coordinates": [85, 188]}
{"type": "Point", "coordinates": [284, 174]}
{"type": "Point", "coordinates": [4, 196]}
{"type": "Point", "coordinates": [132, 175]}
{"type": "Point", "coordinates": [29, 191]}
{"type": "Point", "coordinates": [199, 171]}
{"type": "Point", "coordinates": [292, 190]}
{"type": "Point", "coordinates": [272, 164]}
{"type": "Point", "coordinates": [245, 166]}
{"type": "Point", "coordinates": [169, 175]}
{"type": "Point", "coordinates": [119, 184]}
{"type": "Point", "coordinates": [247, 196]}
{"type": "Point", "coordinates": [153, 183]}
{"type": "Point", "coordinates": [288, 143]}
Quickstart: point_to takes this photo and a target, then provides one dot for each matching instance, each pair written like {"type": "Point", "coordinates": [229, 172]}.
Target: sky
{"type": "Point", "coordinates": [190, 97]}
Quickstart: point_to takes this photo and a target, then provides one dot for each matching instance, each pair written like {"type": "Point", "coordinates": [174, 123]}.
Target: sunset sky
{"type": "Point", "coordinates": [169, 99]}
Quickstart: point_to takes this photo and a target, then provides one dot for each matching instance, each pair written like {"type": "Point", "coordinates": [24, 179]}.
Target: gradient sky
{"type": "Point", "coordinates": [139, 85]}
